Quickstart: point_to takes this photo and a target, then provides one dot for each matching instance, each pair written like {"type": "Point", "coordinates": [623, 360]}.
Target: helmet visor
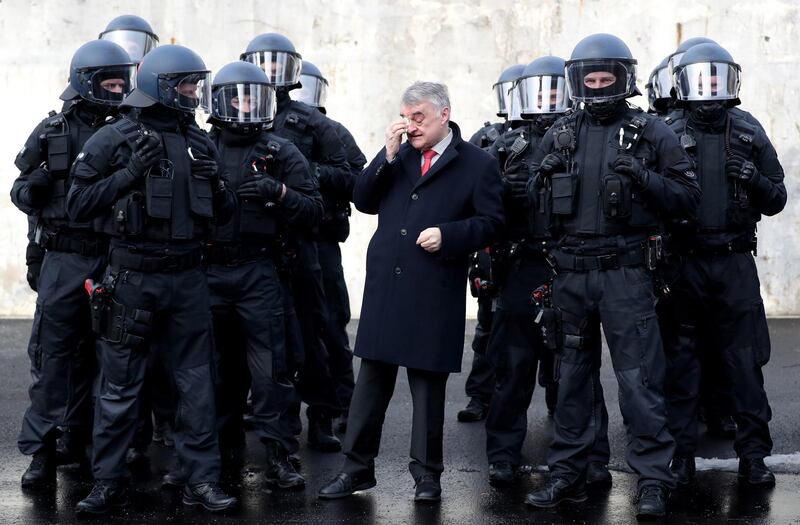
{"type": "Point", "coordinates": [662, 83]}
{"type": "Point", "coordinates": [545, 94]}
{"type": "Point", "coordinates": [501, 90]}
{"type": "Point", "coordinates": [314, 91]}
{"type": "Point", "coordinates": [707, 81]}
{"type": "Point", "coordinates": [186, 91]}
{"type": "Point", "coordinates": [514, 105]}
{"type": "Point", "coordinates": [244, 103]}
{"type": "Point", "coordinates": [282, 68]}
{"type": "Point", "coordinates": [136, 43]}
{"type": "Point", "coordinates": [600, 80]}
{"type": "Point", "coordinates": [108, 85]}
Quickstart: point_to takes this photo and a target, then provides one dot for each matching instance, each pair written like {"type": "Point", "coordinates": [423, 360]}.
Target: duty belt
{"type": "Point", "coordinates": [583, 263]}
{"type": "Point", "coordinates": [738, 245]}
{"type": "Point", "coordinates": [154, 262]}
{"type": "Point", "coordinates": [80, 244]}
{"type": "Point", "coordinates": [236, 254]}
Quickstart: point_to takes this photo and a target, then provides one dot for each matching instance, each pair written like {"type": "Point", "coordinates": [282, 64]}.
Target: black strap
{"type": "Point", "coordinates": [236, 254]}
{"type": "Point", "coordinates": [739, 137]}
{"type": "Point", "coordinates": [632, 131]}
{"type": "Point", "coordinates": [154, 263]}
{"type": "Point", "coordinates": [742, 244]}
{"type": "Point", "coordinates": [88, 246]}
{"type": "Point", "coordinates": [585, 263]}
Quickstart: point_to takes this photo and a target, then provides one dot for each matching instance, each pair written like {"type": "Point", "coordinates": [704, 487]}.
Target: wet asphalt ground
{"type": "Point", "coordinates": [467, 497]}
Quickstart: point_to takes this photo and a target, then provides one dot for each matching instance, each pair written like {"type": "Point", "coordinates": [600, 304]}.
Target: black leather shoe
{"type": "Point", "coordinates": [162, 433]}
{"type": "Point", "coordinates": [41, 472]}
{"type": "Point", "coordinates": [556, 491]}
{"type": "Point", "coordinates": [755, 472]}
{"type": "Point", "coordinates": [476, 410]}
{"type": "Point", "coordinates": [501, 473]}
{"type": "Point", "coordinates": [428, 488]}
{"type": "Point", "coordinates": [69, 448]}
{"type": "Point", "coordinates": [279, 471]}
{"type": "Point", "coordinates": [105, 495]}
{"type": "Point", "coordinates": [652, 502]}
{"type": "Point", "coordinates": [320, 435]}
{"type": "Point", "coordinates": [597, 474]}
{"type": "Point", "coordinates": [683, 469]}
{"type": "Point", "coordinates": [210, 496]}
{"type": "Point", "coordinates": [173, 480]}
{"type": "Point", "coordinates": [344, 485]}
{"type": "Point", "coordinates": [723, 427]}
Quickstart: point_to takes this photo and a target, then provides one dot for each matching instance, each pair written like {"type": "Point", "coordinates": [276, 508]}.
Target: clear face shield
{"type": "Point", "coordinates": [107, 85]}
{"type": "Point", "coordinates": [707, 81]}
{"type": "Point", "coordinates": [515, 104]}
{"type": "Point", "coordinates": [186, 91]}
{"type": "Point", "coordinates": [244, 103]}
{"type": "Point", "coordinates": [501, 90]}
{"type": "Point", "coordinates": [544, 94]}
{"type": "Point", "coordinates": [136, 43]}
{"type": "Point", "coordinates": [314, 91]}
{"type": "Point", "coordinates": [673, 62]}
{"type": "Point", "coordinates": [662, 83]}
{"type": "Point", "coordinates": [282, 69]}
{"type": "Point", "coordinates": [600, 80]}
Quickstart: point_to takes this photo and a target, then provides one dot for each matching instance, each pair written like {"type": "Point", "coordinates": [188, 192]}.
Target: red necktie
{"type": "Point", "coordinates": [426, 164]}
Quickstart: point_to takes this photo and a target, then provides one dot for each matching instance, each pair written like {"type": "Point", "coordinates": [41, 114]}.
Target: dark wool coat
{"type": "Point", "coordinates": [414, 301]}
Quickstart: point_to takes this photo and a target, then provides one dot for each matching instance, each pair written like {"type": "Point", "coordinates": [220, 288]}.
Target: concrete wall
{"type": "Point", "coordinates": [371, 50]}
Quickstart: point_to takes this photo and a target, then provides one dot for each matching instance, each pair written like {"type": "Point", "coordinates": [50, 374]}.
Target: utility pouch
{"type": "Point", "coordinates": [653, 252]}
{"type": "Point", "coordinates": [58, 154]}
{"type": "Point", "coordinates": [616, 197]}
{"type": "Point", "coordinates": [564, 191]}
{"type": "Point", "coordinates": [128, 213]}
{"type": "Point", "coordinates": [158, 194]}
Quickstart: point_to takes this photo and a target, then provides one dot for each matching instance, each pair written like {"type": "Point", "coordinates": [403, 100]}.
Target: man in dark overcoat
{"type": "Point", "coordinates": [438, 199]}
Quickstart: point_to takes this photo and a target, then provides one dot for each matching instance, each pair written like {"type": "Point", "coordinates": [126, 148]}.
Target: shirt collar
{"type": "Point", "coordinates": [442, 144]}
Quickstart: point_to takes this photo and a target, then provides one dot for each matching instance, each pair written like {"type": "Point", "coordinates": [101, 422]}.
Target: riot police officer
{"type": "Point", "coordinates": [133, 34]}
{"type": "Point", "coordinates": [481, 276]}
{"type": "Point", "coordinates": [515, 347]}
{"type": "Point", "coordinates": [316, 138]}
{"type": "Point", "coordinates": [274, 185]}
{"type": "Point", "coordinates": [659, 88]}
{"type": "Point", "coordinates": [718, 288]}
{"type": "Point", "coordinates": [61, 347]}
{"type": "Point", "coordinates": [613, 174]}
{"type": "Point", "coordinates": [335, 229]}
{"type": "Point", "coordinates": [153, 182]}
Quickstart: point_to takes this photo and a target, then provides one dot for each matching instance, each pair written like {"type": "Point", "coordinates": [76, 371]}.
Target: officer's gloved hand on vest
{"type": "Point", "coordinates": [266, 187]}
{"type": "Point", "coordinates": [744, 171]}
{"type": "Point", "coordinates": [516, 188]}
{"type": "Point", "coordinates": [552, 163]}
{"type": "Point", "coordinates": [40, 181]}
{"type": "Point", "coordinates": [146, 152]}
{"type": "Point", "coordinates": [629, 165]}
{"type": "Point", "coordinates": [206, 168]}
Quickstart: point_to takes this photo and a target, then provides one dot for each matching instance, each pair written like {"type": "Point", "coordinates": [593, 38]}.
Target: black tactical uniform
{"type": "Point", "coordinates": [718, 287]}
{"type": "Point", "coordinates": [316, 138]}
{"type": "Point", "coordinates": [610, 173]}
{"type": "Point", "coordinates": [515, 348]}
{"type": "Point", "coordinates": [153, 183]}
{"type": "Point", "coordinates": [275, 189]}
{"type": "Point", "coordinates": [61, 347]}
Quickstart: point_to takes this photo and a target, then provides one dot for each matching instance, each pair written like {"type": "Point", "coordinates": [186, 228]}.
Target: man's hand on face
{"type": "Point", "coordinates": [394, 135]}
{"type": "Point", "coordinates": [430, 239]}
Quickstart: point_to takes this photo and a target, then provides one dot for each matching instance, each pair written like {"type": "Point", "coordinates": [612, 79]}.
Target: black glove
{"type": "Point", "coordinates": [34, 255]}
{"type": "Point", "coordinates": [40, 177]}
{"type": "Point", "coordinates": [516, 188]}
{"type": "Point", "coordinates": [629, 165]}
{"type": "Point", "coordinates": [147, 151]}
{"type": "Point", "coordinates": [744, 171]}
{"type": "Point", "coordinates": [267, 187]}
{"type": "Point", "coordinates": [551, 163]}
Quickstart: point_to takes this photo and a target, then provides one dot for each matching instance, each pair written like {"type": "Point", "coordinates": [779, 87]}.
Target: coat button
{"type": "Point", "coordinates": [403, 232]}
{"type": "Point", "coordinates": [414, 196]}
{"type": "Point", "coordinates": [397, 270]}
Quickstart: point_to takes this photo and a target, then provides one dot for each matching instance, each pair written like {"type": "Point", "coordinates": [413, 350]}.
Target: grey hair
{"type": "Point", "coordinates": [431, 92]}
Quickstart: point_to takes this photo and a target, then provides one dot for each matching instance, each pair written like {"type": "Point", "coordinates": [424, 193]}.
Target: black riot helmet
{"type": "Point", "coordinates": [314, 86]}
{"type": "Point", "coordinates": [174, 76]}
{"type": "Point", "coordinates": [659, 87]}
{"type": "Point", "coordinates": [687, 44]}
{"type": "Point", "coordinates": [707, 73]}
{"type": "Point", "coordinates": [502, 88]}
{"type": "Point", "coordinates": [543, 87]}
{"type": "Point", "coordinates": [100, 72]}
{"type": "Point", "coordinates": [276, 55]}
{"type": "Point", "coordinates": [242, 98]}
{"type": "Point", "coordinates": [133, 34]}
{"type": "Point", "coordinates": [601, 69]}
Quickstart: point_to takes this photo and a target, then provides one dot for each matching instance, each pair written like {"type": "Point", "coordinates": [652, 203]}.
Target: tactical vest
{"type": "Point", "coordinates": [295, 125]}
{"type": "Point", "coordinates": [169, 204]}
{"type": "Point", "coordinates": [254, 221]}
{"type": "Point", "coordinates": [489, 135]}
{"type": "Point", "coordinates": [725, 204]}
{"type": "Point", "coordinates": [62, 137]}
{"type": "Point", "coordinates": [590, 199]}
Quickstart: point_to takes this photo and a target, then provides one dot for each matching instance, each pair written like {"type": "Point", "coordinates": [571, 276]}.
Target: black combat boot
{"type": "Point", "coordinates": [556, 491]}
{"type": "Point", "coordinates": [755, 472]}
{"type": "Point", "coordinates": [107, 494]}
{"type": "Point", "coordinates": [42, 470]}
{"type": "Point", "coordinates": [476, 410]}
{"type": "Point", "coordinates": [279, 471]}
{"type": "Point", "coordinates": [501, 473]}
{"type": "Point", "coordinates": [162, 433]}
{"type": "Point", "coordinates": [597, 474]}
{"type": "Point", "coordinates": [683, 468]}
{"type": "Point", "coordinates": [428, 488]}
{"type": "Point", "coordinates": [652, 502]}
{"type": "Point", "coordinates": [320, 435]}
{"type": "Point", "coordinates": [210, 496]}
{"type": "Point", "coordinates": [344, 485]}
